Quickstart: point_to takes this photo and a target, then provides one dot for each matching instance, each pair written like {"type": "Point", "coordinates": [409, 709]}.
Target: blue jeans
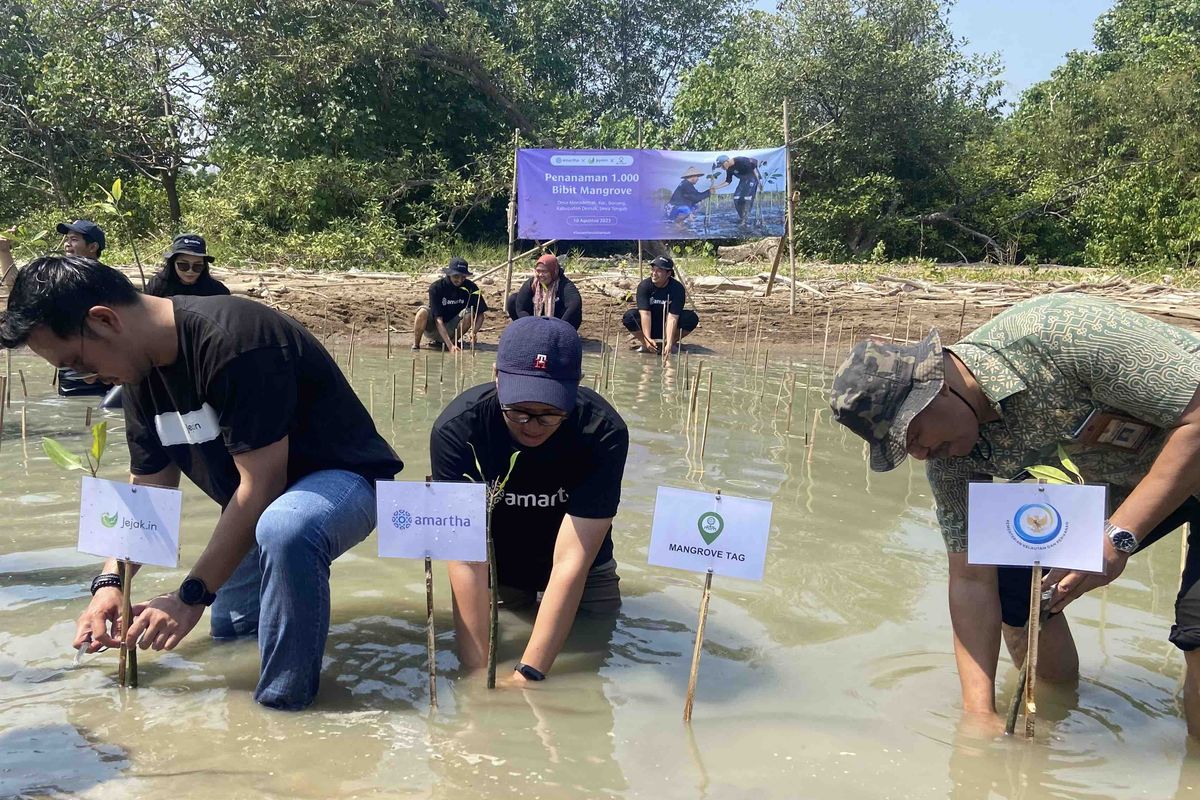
{"type": "Point", "coordinates": [281, 589]}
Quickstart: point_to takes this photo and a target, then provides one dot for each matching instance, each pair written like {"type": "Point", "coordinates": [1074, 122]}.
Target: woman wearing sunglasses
{"type": "Point", "coordinates": [185, 270]}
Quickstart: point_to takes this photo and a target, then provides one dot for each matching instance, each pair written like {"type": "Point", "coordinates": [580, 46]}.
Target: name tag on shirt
{"type": "Point", "coordinates": [1106, 429]}
{"type": "Point", "coordinates": [194, 427]}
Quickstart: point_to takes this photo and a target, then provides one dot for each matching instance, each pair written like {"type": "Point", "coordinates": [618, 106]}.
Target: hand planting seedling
{"type": "Point", "coordinates": [90, 460]}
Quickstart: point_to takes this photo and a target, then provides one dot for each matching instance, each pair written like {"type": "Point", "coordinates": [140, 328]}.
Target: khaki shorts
{"type": "Point", "coordinates": [601, 593]}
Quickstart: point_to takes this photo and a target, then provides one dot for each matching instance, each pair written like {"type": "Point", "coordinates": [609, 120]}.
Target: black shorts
{"type": "Point", "coordinates": [1185, 633]}
{"type": "Point", "coordinates": [688, 321]}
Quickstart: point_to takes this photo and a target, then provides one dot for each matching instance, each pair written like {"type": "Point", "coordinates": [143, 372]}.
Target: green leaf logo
{"type": "Point", "coordinates": [710, 525]}
{"type": "Point", "coordinates": [108, 520]}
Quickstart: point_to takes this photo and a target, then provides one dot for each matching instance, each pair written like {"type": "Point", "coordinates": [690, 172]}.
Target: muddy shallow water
{"type": "Point", "coordinates": [831, 677]}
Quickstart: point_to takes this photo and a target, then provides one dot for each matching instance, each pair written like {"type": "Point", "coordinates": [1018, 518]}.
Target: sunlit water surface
{"type": "Point", "coordinates": [833, 677]}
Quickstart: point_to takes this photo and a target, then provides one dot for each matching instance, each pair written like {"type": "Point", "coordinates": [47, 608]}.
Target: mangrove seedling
{"type": "Point", "coordinates": [90, 461]}
{"type": "Point", "coordinates": [495, 490]}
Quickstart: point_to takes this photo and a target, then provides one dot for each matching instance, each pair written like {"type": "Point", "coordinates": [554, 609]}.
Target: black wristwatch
{"type": "Point", "coordinates": [530, 673]}
{"type": "Point", "coordinates": [194, 592]}
{"type": "Point", "coordinates": [1123, 541]}
{"type": "Point", "coordinates": [105, 579]}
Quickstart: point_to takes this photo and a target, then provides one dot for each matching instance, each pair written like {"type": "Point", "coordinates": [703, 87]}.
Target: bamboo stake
{"type": "Point", "coordinates": [791, 205]}
{"type": "Point", "coordinates": [807, 392]}
{"type": "Point", "coordinates": [895, 321]}
{"type": "Point", "coordinates": [691, 690]}
{"type": "Point", "coordinates": [641, 268]}
{"type": "Point", "coordinates": [425, 388]}
{"type": "Point", "coordinates": [907, 326]}
{"type": "Point", "coordinates": [350, 357]}
{"type": "Point", "coordinates": [87, 418]}
{"type": "Point", "coordinates": [612, 373]}
{"type": "Point", "coordinates": [8, 378]}
{"type": "Point", "coordinates": [707, 411]}
{"type": "Point", "coordinates": [127, 661]}
{"type": "Point", "coordinates": [746, 342]}
{"type": "Point", "coordinates": [24, 388]}
{"type": "Point", "coordinates": [1031, 646]}
{"type": "Point", "coordinates": [430, 643]}
{"type": "Point", "coordinates": [412, 384]}
{"type": "Point", "coordinates": [3, 391]}
{"type": "Point", "coordinates": [394, 397]}
{"type": "Point", "coordinates": [825, 346]}
{"type": "Point", "coordinates": [512, 214]}
{"type": "Point", "coordinates": [387, 323]}
{"type": "Point", "coordinates": [371, 398]}
{"type": "Point", "coordinates": [961, 319]}
{"type": "Point", "coordinates": [24, 440]}
{"type": "Point", "coordinates": [442, 365]}
{"type": "Point", "coordinates": [53, 376]}
{"type": "Point", "coordinates": [791, 402]}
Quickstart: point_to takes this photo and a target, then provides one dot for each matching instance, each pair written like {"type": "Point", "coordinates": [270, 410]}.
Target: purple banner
{"type": "Point", "coordinates": [650, 194]}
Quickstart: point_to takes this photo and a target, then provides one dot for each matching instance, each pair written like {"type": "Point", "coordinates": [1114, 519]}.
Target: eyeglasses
{"type": "Point", "coordinates": [189, 266]}
{"type": "Point", "coordinates": [81, 375]}
{"type": "Point", "coordinates": [518, 417]}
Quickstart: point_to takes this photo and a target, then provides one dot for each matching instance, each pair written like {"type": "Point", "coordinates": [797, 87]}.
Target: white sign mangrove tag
{"type": "Point", "coordinates": [131, 523]}
{"type": "Point", "coordinates": [699, 531]}
{"type": "Point", "coordinates": [1018, 524]}
{"type": "Point", "coordinates": [443, 521]}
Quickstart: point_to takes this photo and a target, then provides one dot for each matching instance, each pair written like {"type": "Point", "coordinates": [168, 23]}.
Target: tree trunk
{"type": "Point", "coordinates": [170, 184]}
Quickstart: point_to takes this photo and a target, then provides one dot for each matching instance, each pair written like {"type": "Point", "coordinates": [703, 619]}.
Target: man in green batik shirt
{"type": "Point", "coordinates": [1116, 389]}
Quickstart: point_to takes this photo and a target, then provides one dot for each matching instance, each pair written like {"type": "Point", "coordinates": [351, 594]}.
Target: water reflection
{"type": "Point", "coordinates": [834, 674]}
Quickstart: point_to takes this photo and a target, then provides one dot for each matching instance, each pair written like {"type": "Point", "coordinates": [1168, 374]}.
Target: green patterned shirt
{"type": "Point", "coordinates": [1045, 365]}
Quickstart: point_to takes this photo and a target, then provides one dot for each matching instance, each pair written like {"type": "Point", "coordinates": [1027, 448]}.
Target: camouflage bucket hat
{"type": "Point", "coordinates": [880, 388]}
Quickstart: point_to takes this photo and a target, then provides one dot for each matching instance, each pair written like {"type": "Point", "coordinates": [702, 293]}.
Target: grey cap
{"type": "Point", "coordinates": [880, 388]}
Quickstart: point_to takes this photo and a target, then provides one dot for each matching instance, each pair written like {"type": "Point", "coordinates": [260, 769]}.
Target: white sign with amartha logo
{"type": "Point", "coordinates": [699, 531]}
{"type": "Point", "coordinates": [1018, 524]}
{"type": "Point", "coordinates": [442, 521]}
{"type": "Point", "coordinates": [128, 522]}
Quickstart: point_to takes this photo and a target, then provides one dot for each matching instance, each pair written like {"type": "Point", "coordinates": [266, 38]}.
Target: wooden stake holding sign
{"type": "Point", "coordinates": [728, 537]}
{"type": "Point", "coordinates": [1036, 525]}
{"type": "Point", "coordinates": [444, 521]}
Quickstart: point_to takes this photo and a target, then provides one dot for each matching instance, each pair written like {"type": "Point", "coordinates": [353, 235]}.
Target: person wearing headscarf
{"type": "Point", "coordinates": [185, 270]}
{"type": "Point", "coordinates": [547, 293]}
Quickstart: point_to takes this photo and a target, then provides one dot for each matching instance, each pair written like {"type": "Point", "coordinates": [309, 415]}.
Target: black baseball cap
{"type": "Point", "coordinates": [458, 266]}
{"type": "Point", "coordinates": [539, 360]}
{"type": "Point", "coordinates": [664, 262]}
{"type": "Point", "coordinates": [90, 231]}
{"type": "Point", "coordinates": [190, 243]}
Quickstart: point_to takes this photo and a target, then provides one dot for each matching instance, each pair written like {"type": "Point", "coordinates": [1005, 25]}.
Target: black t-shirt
{"type": "Point", "coordinates": [446, 300]}
{"type": "Point", "coordinates": [245, 377]}
{"type": "Point", "coordinates": [743, 167]}
{"type": "Point", "coordinates": [651, 298]}
{"type": "Point", "coordinates": [576, 471]}
{"type": "Point", "coordinates": [206, 285]}
{"type": "Point", "coordinates": [568, 305]}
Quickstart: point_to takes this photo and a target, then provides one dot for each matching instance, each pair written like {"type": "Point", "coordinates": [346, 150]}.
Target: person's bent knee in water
{"type": "Point", "coordinates": [238, 397]}
{"type": "Point", "coordinates": [454, 311]}
{"type": "Point", "coordinates": [547, 293]}
{"type": "Point", "coordinates": [1123, 399]}
{"type": "Point", "coordinates": [552, 524]}
{"type": "Point", "coordinates": [659, 321]}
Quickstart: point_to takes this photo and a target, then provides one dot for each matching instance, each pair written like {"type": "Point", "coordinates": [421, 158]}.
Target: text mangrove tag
{"type": "Point", "coordinates": [444, 521]}
{"type": "Point", "coordinates": [699, 531]}
{"type": "Point", "coordinates": [1017, 524]}
{"type": "Point", "coordinates": [131, 523]}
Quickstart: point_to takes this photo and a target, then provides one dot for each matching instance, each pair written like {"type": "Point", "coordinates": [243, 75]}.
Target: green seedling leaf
{"type": "Point", "coordinates": [1069, 464]}
{"type": "Point", "coordinates": [116, 190]}
{"type": "Point", "coordinates": [60, 455]}
{"type": "Point", "coordinates": [1049, 474]}
{"type": "Point", "coordinates": [99, 440]}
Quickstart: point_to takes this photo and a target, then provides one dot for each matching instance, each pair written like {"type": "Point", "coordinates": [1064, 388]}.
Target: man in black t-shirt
{"type": "Point", "coordinates": [245, 402]}
{"type": "Point", "coordinates": [659, 296]}
{"type": "Point", "coordinates": [552, 522]}
{"type": "Point", "coordinates": [455, 304]}
{"type": "Point", "coordinates": [746, 171]}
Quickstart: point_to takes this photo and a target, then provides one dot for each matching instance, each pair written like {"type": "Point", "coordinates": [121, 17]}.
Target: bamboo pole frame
{"type": "Point", "coordinates": [512, 214]}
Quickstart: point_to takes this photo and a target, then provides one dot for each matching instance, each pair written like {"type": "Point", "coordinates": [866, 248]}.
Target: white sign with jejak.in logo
{"type": "Point", "coordinates": [699, 531]}
{"type": "Point", "coordinates": [128, 522]}
{"type": "Point", "coordinates": [1017, 524]}
{"type": "Point", "coordinates": [442, 521]}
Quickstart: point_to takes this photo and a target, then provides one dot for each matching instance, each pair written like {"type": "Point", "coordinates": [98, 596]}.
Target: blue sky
{"type": "Point", "coordinates": [1031, 36]}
